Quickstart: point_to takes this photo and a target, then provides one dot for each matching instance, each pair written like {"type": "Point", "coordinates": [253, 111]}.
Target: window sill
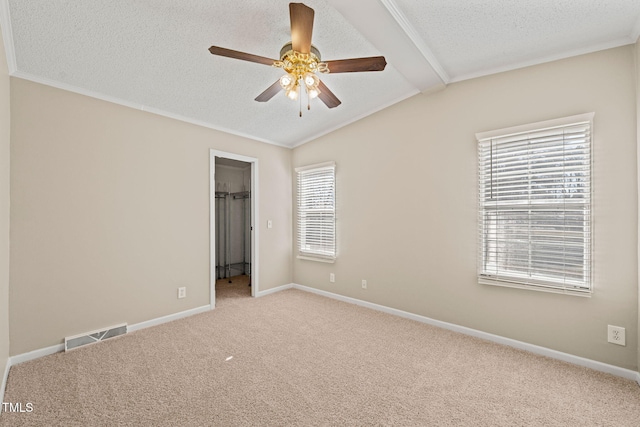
{"type": "Point", "coordinates": [533, 287]}
{"type": "Point", "coordinates": [318, 259]}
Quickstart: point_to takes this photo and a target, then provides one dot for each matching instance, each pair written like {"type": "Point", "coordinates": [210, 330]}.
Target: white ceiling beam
{"type": "Point", "coordinates": [388, 30]}
{"type": "Point", "coordinates": [415, 38]}
{"type": "Point", "coordinates": [635, 33]}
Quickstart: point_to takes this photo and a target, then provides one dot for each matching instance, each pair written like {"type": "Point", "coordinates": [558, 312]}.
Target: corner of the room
{"type": "Point", "coordinates": [637, 63]}
{"type": "Point", "coordinates": [4, 215]}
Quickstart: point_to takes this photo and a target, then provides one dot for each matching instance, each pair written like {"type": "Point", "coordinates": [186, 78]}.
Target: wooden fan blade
{"type": "Point", "coordinates": [270, 92]}
{"type": "Point", "coordinates": [221, 51]}
{"type": "Point", "coordinates": [301, 27]}
{"type": "Point", "coordinates": [373, 63]}
{"type": "Point", "coordinates": [326, 96]}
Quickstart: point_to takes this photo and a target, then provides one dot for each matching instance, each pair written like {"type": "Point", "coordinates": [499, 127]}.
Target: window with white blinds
{"type": "Point", "coordinates": [534, 216]}
{"type": "Point", "coordinates": [317, 212]}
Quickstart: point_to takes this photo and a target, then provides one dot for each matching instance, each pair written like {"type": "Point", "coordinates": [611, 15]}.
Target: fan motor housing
{"type": "Point", "coordinates": [284, 52]}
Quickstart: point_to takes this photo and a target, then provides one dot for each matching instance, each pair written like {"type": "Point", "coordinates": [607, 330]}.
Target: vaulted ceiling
{"type": "Point", "coordinates": [152, 54]}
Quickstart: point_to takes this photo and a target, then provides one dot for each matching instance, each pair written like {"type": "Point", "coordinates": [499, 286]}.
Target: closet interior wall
{"type": "Point", "coordinates": [233, 218]}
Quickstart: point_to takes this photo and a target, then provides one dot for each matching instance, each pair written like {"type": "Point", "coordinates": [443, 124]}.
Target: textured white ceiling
{"type": "Point", "coordinates": [152, 54]}
{"type": "Point", "coordinates": [478, 37]}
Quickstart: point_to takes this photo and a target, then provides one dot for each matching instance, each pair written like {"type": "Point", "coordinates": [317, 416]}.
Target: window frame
{"type": "Point", "coordinates": [501, 276]}
{"type": "Point", "coordinates": [328, 251]}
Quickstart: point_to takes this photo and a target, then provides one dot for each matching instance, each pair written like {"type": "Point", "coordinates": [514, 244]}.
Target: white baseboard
{"type": "Point", "coordinates": [5, 376]}
{"type": "Point", "coordinates": [36, 354]}
{"type": "Point", "coordinates": [274, 290]}
{"type": "Point", "coordinates": [169, 318]}
{"type": "Point", "coordinates": [577, 360]}
{"type": "Point", "coordinates": [599, 366]}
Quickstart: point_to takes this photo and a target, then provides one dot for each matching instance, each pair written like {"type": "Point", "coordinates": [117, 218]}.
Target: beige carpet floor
{"type": "Point", "coordinates": [295, 358]}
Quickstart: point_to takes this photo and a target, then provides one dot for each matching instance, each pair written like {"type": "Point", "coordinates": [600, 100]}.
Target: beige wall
{"type": "Point", "coordinates": [637, 56]}
{"type": "Point", "coordinates": [110, 209]}
{"type": "Point", "coordinates": [4, 207]}
{"type": "Point", "coordinates": [110, 214]}
{"type": "Point", "coordinates": [406, 212]}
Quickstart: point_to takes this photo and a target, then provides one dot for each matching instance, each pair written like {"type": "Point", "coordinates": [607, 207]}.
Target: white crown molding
{"type": "Point", "coordinates": [123, 102]}
{"type": "Point", "coordinates": [543, 351]}
{"type": "Point", "coordinates": [356, 118]}
{"type": "Point", "coordinates": [415, 38]}
{"type": "Point", "coordinates": [565, 55]}
{"type": "Point", "coordinates": [7, 36]}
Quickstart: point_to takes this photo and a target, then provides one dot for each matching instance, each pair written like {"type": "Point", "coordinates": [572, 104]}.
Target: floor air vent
{"type": "Point", "coordinates": [93, 337]}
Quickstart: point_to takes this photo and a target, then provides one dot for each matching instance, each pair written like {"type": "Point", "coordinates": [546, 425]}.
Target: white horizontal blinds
{"type": "Point", "coordinates": [535, 208]}
{"type": "Point", "coordinates": [316, 211]}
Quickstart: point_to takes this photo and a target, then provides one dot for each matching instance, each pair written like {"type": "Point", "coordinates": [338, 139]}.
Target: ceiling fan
{"type": "Point", "coordinates": [301, 62]}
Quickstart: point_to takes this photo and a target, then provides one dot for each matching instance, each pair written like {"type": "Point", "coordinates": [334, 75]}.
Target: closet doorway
{"type": "Point", "coordinates": [233, 226]}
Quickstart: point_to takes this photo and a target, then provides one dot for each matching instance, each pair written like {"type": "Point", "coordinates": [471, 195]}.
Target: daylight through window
{"type": "Point", "coordinates": [316, 212]}
{"type": "Point", "coordinates": [534, 216]}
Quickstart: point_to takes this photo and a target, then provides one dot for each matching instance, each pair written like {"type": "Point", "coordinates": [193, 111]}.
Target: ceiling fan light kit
{"type": "Point", "coordinates": [300, 71]}
{"type": "Point", "coordinates": [301, 61]}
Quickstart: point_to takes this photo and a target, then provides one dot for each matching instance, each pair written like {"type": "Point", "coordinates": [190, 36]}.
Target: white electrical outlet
{"type": "Point", "coordinates": [616, 335]}
{"type": "Point", "coordinates": [269, 224]}
{"type": "Point", "coordinates": [364, 284]}
{"type": "Point", "coordinates": [332, 278]}
{"type": "Point", "coordinates": [182, 292]}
